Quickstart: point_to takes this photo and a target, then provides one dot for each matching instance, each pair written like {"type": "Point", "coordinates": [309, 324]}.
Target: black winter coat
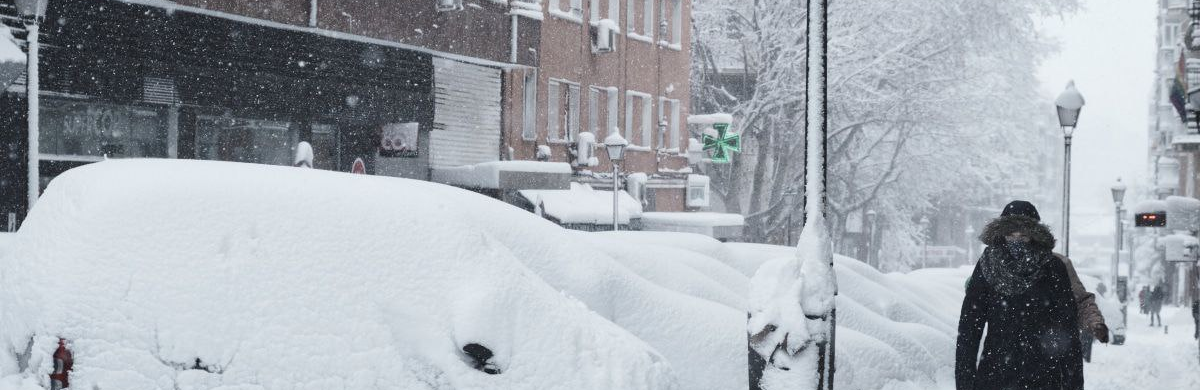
{"type": "Point", "coordinates": [1032, 337]}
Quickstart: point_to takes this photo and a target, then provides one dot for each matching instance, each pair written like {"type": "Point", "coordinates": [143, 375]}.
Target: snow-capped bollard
{"type": "Point", "coordinates": [63, 361]}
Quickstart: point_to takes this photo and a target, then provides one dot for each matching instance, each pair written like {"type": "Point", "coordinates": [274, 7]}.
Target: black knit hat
{"type": "Point", "coordinates": [1022, 208]}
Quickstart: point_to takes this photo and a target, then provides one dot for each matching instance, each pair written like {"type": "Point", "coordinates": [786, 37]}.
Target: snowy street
{"type": "Point", "coordinates": [1149, 359]}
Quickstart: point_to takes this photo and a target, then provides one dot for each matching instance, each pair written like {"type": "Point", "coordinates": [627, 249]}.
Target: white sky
{"type": "Point", "coordinates": [1108, 49]}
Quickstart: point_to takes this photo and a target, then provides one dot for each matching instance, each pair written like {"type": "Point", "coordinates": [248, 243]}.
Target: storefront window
{"type": "Point", "coordinates": [72, 129]}
{"type": "Point", "coordinates": [226, 138]}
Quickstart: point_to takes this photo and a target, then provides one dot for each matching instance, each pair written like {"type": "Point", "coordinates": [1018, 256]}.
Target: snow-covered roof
{"type": "Point", "coordinates": [583, 205]}
{"type": "Point", "coordinates": [489, 174]}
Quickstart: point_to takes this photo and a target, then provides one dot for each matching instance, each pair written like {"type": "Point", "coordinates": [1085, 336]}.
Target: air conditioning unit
{"type": "Point", "coordinates": [449, 5]}
{"type": "Point", "coordinates": [604, 36]}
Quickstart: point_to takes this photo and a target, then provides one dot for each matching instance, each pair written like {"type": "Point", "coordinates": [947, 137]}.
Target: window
{"type": "Point", "coordinates": [529, 118]}
{"type": "Point", "coordinates": [631, 20]}
{"type": "Point", "coordinates": [86, 129]}
{"type": "Point", "coordinates": [668, 111]}
{"type": "Point", "coordinates": [647, 18]}
{"type": "Point", "coordinates": [638, 119]}
{"type": "Point", "coordinates": [676, 22]}
{"type": "Point", "coordinates": [226, 138]}
{"type": "Point", "coordinates": [594, 99]}
{"type": "Point", "coordinates": [647, 122]}
{"type": "Point", "coordinates": [572, 112]}
{"type": "Point", "coordinates": [674, 123]}
{"type": "Point", "coordinates": [614, 11]}
{"type": "Point", "coordinates": [567, 9]}
{"type": "Point", "coordinates": [562, 115]}
{"type": "Point", "coordinates": [612, 111]}
{"type": "Point", "coordinates": [697, 191]}
{"type": "Point", "coordinates": [1170, 35]}
{"type": "Point", "coordinates": [553, 107]}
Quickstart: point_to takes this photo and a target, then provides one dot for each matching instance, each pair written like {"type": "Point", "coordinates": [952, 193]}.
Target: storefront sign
{"type": "Point", "coordinates": [399, 140]}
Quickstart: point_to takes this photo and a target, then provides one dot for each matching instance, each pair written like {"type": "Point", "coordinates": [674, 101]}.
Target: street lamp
{"type": "Point", "coordinates": [615, 145]}
{"type": "Point", "coordinates": [924, 241]}
{"type": "Point", "coordinates": [32, 12]}
{"type": "Point", "coordinates": [1069, 103]}
{"type": "Point", "coordinates": [1118, 194]}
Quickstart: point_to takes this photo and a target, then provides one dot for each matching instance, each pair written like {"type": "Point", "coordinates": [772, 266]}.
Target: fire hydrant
{"type": "Point", "coordinates": [63, 361]}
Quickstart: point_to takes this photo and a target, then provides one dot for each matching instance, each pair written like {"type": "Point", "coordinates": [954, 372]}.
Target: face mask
{"type": "Point", "coordinates": [1019, 250]}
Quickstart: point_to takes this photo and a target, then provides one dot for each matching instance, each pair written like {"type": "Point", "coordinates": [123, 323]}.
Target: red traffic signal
{"type": "Point", "coordinates": [1150, 220]}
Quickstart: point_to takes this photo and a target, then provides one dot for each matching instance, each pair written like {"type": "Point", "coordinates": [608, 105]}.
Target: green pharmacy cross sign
{"type": "Point", "coordinates": [724, 144]}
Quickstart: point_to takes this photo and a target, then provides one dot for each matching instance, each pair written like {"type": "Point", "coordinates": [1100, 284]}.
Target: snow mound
{"type": "Point", "coordinates": [193, 274]}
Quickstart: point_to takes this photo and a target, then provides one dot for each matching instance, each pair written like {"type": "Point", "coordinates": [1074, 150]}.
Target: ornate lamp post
{"type": "Point", "coordinates": [1069, 103]}
{"type": "Point", "coordinates": [615, 145]}
{"type": "Point", "coordinates": [32, 12]}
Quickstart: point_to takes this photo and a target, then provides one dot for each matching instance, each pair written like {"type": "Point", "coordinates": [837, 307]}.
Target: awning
{"type": "Point", "coordinates": [716, 225]}
{"type": "Point", "coordinates": [507, 175]}
{"type": "Point", "coordinates": [583, 205]}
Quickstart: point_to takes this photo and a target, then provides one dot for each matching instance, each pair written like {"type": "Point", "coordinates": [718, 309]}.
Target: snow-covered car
{"type": "Point", "coordinates": [190, 274]}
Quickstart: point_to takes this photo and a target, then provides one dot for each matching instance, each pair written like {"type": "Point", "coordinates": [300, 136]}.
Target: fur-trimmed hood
{"type": "Point", "coordinates": [1039, 234]}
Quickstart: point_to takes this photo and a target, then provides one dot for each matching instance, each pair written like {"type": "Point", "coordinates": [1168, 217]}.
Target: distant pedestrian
{"type": "Point", "coordinates": [1142, 300]}
{"type": "Point", "coordinates": [1154, 304]}
{"type": "Point", "coordinates": [1022, 293]}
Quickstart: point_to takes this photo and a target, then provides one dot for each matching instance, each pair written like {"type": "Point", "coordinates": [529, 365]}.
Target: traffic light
{"type": "Point", "coordinates": [1150, 219]}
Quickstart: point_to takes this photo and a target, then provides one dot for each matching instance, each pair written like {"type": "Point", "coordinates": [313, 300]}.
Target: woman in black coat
{"type": "Point", "coordinates": [1022, 293]}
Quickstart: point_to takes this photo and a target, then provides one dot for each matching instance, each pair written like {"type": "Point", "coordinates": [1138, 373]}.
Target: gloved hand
{"type": "Point", "coordinates": [1101, 332]}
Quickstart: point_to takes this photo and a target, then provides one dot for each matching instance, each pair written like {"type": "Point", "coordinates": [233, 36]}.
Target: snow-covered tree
{"type": "Point", "coordinates": [929, 102]}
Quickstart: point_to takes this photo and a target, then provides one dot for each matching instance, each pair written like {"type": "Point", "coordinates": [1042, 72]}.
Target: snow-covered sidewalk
{"type": "Point", "coordinates": [1149, 359]}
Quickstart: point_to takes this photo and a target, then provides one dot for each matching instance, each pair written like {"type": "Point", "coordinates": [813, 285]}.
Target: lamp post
{"type": "Point", "coordinates": [1118, 195]}
{"type": "Point", "coordinates": [924, 241]}
{"type": "Point", "coordinates": [615, 145]}
{"type": "Point", "coordinates": [1068, 103]}
{"type": "Point", "coordinates": [872, 218]}
{"type": "Point", "coordinates": [32, 12]}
